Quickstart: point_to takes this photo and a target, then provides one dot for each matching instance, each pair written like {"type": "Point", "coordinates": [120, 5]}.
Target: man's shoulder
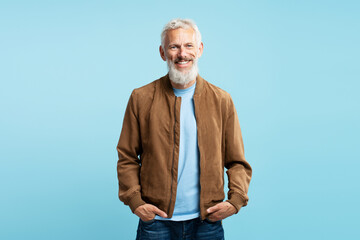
{"type": "Point", "coordinates": [216, 91]}
{"type": "Point", "coordinates": [146, 91]}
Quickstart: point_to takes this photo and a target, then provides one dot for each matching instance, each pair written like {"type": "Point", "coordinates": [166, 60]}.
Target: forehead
{"type": "Point", "coordinates": [180, 35]}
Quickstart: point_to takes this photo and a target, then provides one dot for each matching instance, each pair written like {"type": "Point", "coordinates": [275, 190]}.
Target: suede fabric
{"type": "Point", "coordinates": [148, 147]}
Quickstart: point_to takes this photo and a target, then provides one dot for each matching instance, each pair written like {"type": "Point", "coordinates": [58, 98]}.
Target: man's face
{"type": "Point", "coordinates": [181, 49]}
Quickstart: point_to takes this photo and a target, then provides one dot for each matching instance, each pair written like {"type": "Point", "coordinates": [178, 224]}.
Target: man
{"type": "Point", "coordinates": [179, 132]}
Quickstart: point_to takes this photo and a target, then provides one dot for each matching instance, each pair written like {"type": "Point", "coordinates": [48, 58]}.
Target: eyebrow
{"type": "Point", "coordinates": [175, 44]}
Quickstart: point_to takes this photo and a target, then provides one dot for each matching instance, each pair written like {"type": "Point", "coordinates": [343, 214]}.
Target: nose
{"type": "Point", "coordinates": [182, 52]}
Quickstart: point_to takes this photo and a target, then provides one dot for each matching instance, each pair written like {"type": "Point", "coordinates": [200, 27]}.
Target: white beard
{"type": "Point", "coordinates": [182, 78]}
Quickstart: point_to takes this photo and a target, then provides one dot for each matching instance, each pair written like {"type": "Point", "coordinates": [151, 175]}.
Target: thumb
{"type": "Point", "coordinates": [159, 212]}
{"type": "Point", "coordinates": [212, 209]}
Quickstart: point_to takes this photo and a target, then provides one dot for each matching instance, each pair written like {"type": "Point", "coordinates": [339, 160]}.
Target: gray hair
{"type": "Point", "coordinates": [180, 23]}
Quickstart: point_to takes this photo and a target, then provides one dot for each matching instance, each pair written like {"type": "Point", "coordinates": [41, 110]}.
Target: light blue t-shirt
{"type": "Point", "coordinates": [187, 204]}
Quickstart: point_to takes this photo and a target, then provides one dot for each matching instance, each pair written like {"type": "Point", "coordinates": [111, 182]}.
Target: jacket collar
{"type": "Point", "coordinates": [166, 85]}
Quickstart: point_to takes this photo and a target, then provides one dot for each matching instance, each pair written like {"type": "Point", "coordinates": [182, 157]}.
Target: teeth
{"type": "Point", "coordinates": [183, 62]}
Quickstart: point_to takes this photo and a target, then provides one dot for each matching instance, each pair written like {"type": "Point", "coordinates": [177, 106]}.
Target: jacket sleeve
{"type": "Point", "coordinates": [238, 169]}
{"type": "Point", "coordinates": [128, 165]}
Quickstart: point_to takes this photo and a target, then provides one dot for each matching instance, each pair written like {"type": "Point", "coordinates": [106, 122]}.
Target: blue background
{"type": "Point", "coordinates": [67, 69]}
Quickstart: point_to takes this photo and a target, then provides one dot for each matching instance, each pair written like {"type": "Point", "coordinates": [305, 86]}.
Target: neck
{"type": "Point", "coordinates": [180, 86]}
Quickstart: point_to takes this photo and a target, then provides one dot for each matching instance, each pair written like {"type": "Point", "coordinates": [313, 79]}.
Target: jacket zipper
{"type": "Point", "coordinates": [199, 159]}
{"type": "Point", "coordinates": [172, 166]}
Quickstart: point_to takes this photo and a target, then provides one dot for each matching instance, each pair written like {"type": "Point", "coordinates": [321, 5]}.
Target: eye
{"type": "Point", "coordinates": [189, 45]}
{"type": "Point", "coordinates": [173, 47]}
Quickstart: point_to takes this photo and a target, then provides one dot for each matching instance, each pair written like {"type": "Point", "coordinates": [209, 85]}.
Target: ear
{"type": "Point", "coordinates": [162, 53]}
{"type": "Point", "coordinates": [201, 48]}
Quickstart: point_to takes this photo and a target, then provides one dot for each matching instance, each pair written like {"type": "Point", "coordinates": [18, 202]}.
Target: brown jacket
{"type": "Point", "coordinates": [151, 131]}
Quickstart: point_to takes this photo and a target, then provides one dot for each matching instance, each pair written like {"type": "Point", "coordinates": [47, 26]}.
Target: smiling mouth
{"type": "Point", "coordinates": [183, 62]}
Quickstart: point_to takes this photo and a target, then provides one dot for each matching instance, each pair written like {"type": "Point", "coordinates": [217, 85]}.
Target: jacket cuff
{"type": "Point", "coordinates": [135, 202]}
{"type": "Point", "coordinates": [237, 201]}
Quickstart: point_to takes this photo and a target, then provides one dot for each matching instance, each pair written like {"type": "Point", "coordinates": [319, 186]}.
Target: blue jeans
{"type": "Point", "coordinates": [173, 230]}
